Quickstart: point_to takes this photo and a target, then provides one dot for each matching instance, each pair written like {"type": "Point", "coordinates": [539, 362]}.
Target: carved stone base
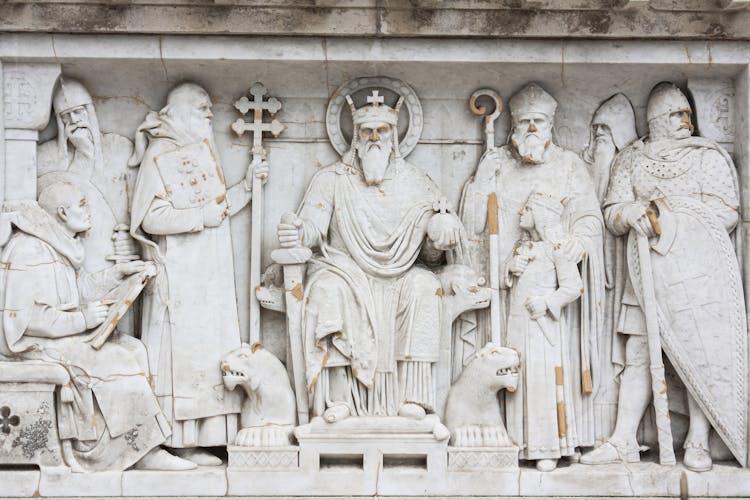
{"type": "Point", "coordinates": [28, 421]}
{"type": "Point", "coordinates": [246, 458]}
{"type": "Point", "coordinates": [645, 480]}
{"type": "Point", "coordinates": [487, 459]}
{"type": "Point", "coordinates": [358, 456]}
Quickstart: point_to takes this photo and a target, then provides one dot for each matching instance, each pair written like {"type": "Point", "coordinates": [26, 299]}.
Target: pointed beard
{"type": "Point", "coordinates": [81, 137]}
{"type": "Point", "coordinates": [604, 155]}
{"type": "Point", "coordinates": [202, 130]}
{"type": "Point", "coordinates": [374, 163]}
{"type": "Point", "coordinates": [530, 147]}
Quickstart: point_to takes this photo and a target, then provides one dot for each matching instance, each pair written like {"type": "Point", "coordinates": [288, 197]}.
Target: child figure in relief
{"type": "Point", "coordinates": [542, 282]}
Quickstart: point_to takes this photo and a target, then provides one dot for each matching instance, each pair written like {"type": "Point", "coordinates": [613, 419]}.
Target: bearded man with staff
{"type": "Point", "coordinates": [533, 162]}
{"type": "Point", "coordinates": [180, 214]}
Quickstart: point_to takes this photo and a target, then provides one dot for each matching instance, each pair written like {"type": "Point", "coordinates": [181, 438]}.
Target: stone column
{"type": "Point", "coordinates": [26, 104]}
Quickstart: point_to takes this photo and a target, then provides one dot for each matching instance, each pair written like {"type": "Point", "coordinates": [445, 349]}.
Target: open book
{"type": "Point", "coordinates": [121, 298]}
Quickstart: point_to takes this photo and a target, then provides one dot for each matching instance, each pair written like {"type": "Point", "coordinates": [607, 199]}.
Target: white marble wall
{"type": "Point", "coordinates": [128, 75]}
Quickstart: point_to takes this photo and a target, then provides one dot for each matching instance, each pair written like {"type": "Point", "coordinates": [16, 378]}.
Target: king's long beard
{"type": "Point", "coordinates": [374, 162]}
{"type": "Point", "coordinates": [530, 146]}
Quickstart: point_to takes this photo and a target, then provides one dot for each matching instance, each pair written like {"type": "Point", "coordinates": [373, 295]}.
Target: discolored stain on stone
{"type": "Point", "coordinates": [33, 438]}
{"type": "Point", "coordinates": [597, 22]}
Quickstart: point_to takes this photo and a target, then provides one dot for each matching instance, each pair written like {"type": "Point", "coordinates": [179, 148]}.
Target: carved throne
{"type": "Point", "coordinates": [32, 395]}
{"type": "Point", "coordinates": [357, 445]}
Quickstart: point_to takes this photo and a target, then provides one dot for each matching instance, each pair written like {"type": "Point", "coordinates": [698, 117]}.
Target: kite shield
{"type": "Point", "coordinates": [701, 313]}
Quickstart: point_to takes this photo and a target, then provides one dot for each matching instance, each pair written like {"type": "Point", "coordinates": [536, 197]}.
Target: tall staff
{"type": "Point", "coordinates": [658, 379]}
{"type": "Point", "coordinates": [257, 127]}
{"type": "Point", "coordinates": [492, 226]}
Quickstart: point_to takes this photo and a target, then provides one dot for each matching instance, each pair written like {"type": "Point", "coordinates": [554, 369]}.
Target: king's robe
{"type": "Point", "coordinates": [371, 307]}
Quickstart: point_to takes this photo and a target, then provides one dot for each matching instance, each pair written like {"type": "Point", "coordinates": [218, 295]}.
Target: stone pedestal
{"type": "Point", "coordinates": [257, 459]}
{"type": "Point", "coordinates": [28, 421]}
{"type": "Point", "coordinates": [358, 456]}
{"type": "Point", "coordinates": [482, 459]}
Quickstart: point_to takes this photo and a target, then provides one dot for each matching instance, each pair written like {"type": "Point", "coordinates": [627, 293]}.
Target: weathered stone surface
{"type": "Point", "coordinates": [692, 19]}
{"type": "Point", "coordinates": [420, 209]}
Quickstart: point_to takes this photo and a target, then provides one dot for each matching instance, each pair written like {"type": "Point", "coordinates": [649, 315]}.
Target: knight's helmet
{"type": "Point", "coordinates": [68, 95]}
{"type": "Point", "coordinates": [374, 111]}
{"type": "Point", "coordinates": [618, 115]}
{"type": "Point", "coordinates": [666, 99]}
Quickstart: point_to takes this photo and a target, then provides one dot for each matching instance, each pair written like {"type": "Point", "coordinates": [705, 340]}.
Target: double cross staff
{"type": "Point", "coordinates": [257, 127]}
{"type": "Point", "coordinates": [492, 227]}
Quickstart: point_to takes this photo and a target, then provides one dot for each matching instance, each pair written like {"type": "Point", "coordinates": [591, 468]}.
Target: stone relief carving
{"type": "Point", "coordinates": [338, 105]}
{"type": "Point", "coordinates": [525, 325]}
{"type": "Point", "coordinates": [533, 163]}
{"type": "Point", "coordinates": [268, 410]}
{"type": "Point", "coordinates": [473, 411]}
{"type": "Point", "coordinates": [714, 109]}
{"type": "Point", "coordinates": [27, 94]}
{"type": "Point", "coordinates": [676, 196]}
{"type": "Point", "coordinates": [180, 211]}
{"type": "Point", "coordinates": [371, 317]}
{"type": "Point", "coordinates": [542, 281]}
{"type": "Point", "coordinates": [49, 304]}
{"type": "Point", "coordinates": [612, 129]}
{"type": "Point", "coordinates": [96, 163]}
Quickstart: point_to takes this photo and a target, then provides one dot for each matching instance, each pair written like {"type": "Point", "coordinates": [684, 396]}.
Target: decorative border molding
{"type": "Point", "coordinates": [648, 19]}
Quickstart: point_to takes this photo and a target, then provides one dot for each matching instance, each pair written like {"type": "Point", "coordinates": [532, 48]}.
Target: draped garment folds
{"type": "Point", "coordinates": [694, 184]}
{"type": "Point", "coordinates": [539, 416]}
{"type": "Point", "coordinates": [190, 318]}
{"type": "Point", "coordinates": [369, 305]}
{"type": "Point", "coordinates": [563, 174]}
{"type": "Point", "coordinates": [41, 289]}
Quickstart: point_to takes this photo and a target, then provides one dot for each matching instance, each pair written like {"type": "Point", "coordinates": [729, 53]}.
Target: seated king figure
{"type": "Point", "coordinates": [371, 317]}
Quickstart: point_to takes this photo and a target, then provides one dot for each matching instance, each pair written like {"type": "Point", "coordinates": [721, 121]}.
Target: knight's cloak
{"type": "Point", "coordinates": [696, 273]}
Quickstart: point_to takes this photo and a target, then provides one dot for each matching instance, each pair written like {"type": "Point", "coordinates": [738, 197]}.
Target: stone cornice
{"type": "Point", "coordinates": [607, 19]}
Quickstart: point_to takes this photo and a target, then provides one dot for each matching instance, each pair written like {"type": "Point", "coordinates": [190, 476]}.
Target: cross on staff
{"type": "Point", "coordinates": [257, 127]}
